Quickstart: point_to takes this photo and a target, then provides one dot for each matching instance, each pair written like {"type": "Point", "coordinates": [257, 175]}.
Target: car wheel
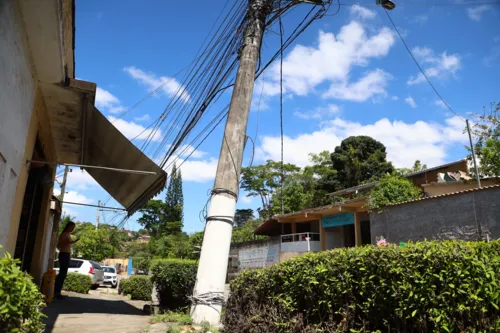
{"type": "Point", "coordinates": [94, 286]}
{"type": "Point", "coordinates": [114, 285]}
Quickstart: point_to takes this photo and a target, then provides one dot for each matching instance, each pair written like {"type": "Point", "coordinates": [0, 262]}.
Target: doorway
{"type": "Point", "coordinates": [38, 179]}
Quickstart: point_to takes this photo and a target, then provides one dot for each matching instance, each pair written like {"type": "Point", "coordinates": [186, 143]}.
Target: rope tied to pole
{"type": "Point", "coordinates": [210, 298]}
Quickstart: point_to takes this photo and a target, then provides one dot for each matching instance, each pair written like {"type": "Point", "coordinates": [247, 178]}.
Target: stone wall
{"type": "Point", "coordinates": [440, 218]}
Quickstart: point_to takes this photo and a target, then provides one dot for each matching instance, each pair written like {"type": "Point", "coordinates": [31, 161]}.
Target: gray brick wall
{"type": "Point", "coordinates": [449, 217]}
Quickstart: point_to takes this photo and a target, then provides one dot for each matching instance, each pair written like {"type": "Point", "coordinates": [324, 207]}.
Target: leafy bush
{"type": "Point", "coordinates": [139, 287]}
{"type": "Point", "coordinates": [79, 283]}
{"type": "Point", "coordinates": [21, 302]}
{"type": "Point", "coordinates": [391, 189]}
{"type": "Point", "coordinates": [450, 286]}
{"type": "Point", "coordinates": [174, 280]}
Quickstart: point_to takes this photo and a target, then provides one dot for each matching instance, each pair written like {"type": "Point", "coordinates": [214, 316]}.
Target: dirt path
{"type": "Point", "coordinates": [101, 310]}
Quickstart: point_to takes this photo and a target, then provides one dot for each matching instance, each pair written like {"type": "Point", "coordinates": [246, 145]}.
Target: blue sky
{"type": "Point", "coordinates": [348, 74]}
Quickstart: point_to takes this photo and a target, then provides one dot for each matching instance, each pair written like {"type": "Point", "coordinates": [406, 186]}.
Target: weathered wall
{"type": "Point", "coordinates": [448, 217]}
{"type": "Point", "coordinates": [254, 254]}
{"type": "Point", "coordinates": [444, 188]}
{"type": "Point", "coordinates": [17, 94]}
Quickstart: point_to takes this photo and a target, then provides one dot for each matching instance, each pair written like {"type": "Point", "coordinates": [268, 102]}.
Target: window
{"type": "Point", "coordinates": [75, 263]}
{"type": "Point", "coordinates": [96, 265]}
{"type": "Point", "coordinates": [109, 270]}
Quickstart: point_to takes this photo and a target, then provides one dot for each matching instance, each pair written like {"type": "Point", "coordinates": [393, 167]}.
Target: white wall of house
{"type": "Point", "coordinates": [17, 95]}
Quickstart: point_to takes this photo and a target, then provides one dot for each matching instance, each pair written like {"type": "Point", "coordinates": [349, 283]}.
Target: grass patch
{"type": "Point", "coordinates": [180, 318]}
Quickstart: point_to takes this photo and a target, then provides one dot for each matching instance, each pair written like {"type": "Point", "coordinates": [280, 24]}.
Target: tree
{"type": "Point", "coordinates": [93, 244]}
{"type": "Point", "coordinates": [392, 188]}
{"type": "Point", "coordinates": [320, 178]}
{"type": "Point", "coordinates": [241, 216]}
{"type": "Point", "coordinates": [245, 233]}
{"type": "Point", "coordinates": [264, 180]}
{"type": "Point", "coordinates": [174, 202]}
{"type": "Point", "coordinates": [417, 166]}
{"type": "Point", "coordinates": [486, 132]}
{"type": "Point", "coordinates": [153, 217]}
{"type": "Point", "coordinates": [358, 159]}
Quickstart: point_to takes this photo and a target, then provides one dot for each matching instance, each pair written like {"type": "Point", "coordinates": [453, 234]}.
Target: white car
{"type": "Point", "coordinates": [110, 276]}
{"type": "Point", "coordinates": [87, 267]}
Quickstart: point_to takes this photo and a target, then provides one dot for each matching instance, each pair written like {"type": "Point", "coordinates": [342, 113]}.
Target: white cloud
{"type": "Point", "coordinates": [331, 61]}
{"type": "Point", "coordinates": [371, 85]}
{"type": "Point", "coordinates": [421, 19]}
{"type": "Point", "coordinates": [169, 85]}
{"type": "Point", "coordinates": [73, 196]}
{"type": "Point", "coordinates": [475, 13]}
{"type": "Point", "coordinates": [319, 113]}
{"type": "Point", "coordinates": [395, 98]}
{"type": "Point", "coordinates": [411, 101]}
{"type": "Point", "coordinates": [441, 66]}
{"type": "Point", "coordinates": [133, 130]}
{"type": "Point", "coordinates": [145, 117]}
{"type": "Point", "coordinates": [441, 104]}
{"type": "Point", "coordinates": [78, 179]}
{"type": "Point", "coordinates": [105, 100]}
{"type": "Point", "coordinates": [405, 142]}
{"type": "Point", "coordinates": [196, 171]}
{"type": "Point", "coordinates": [362, 12]}
{"type": "Point", "coordinates": [246, 200]}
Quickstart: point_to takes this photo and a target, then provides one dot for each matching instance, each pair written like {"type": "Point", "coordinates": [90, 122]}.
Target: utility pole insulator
{"type": "Point", "coordinates": [208, 294]}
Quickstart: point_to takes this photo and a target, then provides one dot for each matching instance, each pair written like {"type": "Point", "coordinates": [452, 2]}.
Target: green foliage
{"type": "Point", "coordinates": [174, 329]}
{"type": "Point", "coordinates": [392, 189]}
{"type": "Point", "coordinates": [174, 280]}
{"type": "Point", "coordinates": [486, 133]}
{"type": "Point", "coordinates": [242, 216]}
{"type": "Point", "coordinates": [93, 244]}
{"type": "Point", "coordinates": [153, 218]}
{"type": "Point", "coordinates": [78, 283]}
{"type": "Point", "coordinates": [359, 158]}
{"type": "Point", "coordinates": [245, 233]}
{"type": "Point", "coordinates": [450, 286]}
{"type": "Point", "coordinates": [180, 318]}
{"type": "Point", "coordinates": [417, 166]}
{"type": "Point", "coordinates": [139, 287]}
{"type": "Point", "coordinates": [141, 263]}
{"type": "Point", "coordinates": [174, 200]}
{"type": "Point", "coordinates": [21, 302]}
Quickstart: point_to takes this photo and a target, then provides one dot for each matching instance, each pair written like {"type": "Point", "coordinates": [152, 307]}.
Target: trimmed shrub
{"type": "Point", "coordinates": [78, 283]}
{"type": "Point", "coordinates": [174, 280]}
{"type": "Point", "coordinates": [450, 286]}
{"type": "Point", "coordinates": [21, 302]}
{"type": "Point", "coordinates": [139, 287]}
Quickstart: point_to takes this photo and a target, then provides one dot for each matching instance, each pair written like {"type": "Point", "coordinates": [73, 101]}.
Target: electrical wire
{"type": "Point", "coordinates": [444, 4]}
{"type": "Point", "coordinates": [420, 68]}
{"type": "Point", "coordinates": [281, 111]}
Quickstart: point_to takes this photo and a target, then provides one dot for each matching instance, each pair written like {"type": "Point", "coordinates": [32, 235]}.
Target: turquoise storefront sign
{"type": "Point", "coordinates": [337, 220]}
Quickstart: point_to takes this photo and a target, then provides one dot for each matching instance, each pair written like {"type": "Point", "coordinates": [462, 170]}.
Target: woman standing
{"type": "Point", "coordinates": [64, 246]}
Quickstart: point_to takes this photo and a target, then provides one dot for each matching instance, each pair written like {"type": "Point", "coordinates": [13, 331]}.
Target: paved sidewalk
{"type": "Point", "coordinates": [98, 311]}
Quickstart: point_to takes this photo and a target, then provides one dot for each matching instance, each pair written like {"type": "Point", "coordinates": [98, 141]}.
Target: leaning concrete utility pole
{"type": "Point", "coordinates": [208, 294]}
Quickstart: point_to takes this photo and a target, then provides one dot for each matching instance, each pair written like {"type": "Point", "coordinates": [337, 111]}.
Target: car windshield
{"type": "Point", "coordinates": [108, 270]}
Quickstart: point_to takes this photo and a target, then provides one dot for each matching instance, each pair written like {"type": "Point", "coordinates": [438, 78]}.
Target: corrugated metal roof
{"type": "Point", "coordinates": [446, 195]}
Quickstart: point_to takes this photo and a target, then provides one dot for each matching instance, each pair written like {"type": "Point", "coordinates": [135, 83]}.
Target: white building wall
{"type": "Point", "coordinates": [17, 95]}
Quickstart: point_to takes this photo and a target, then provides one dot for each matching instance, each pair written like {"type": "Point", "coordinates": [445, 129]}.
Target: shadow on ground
{"type": "Point", "coordinates": [81, 311]}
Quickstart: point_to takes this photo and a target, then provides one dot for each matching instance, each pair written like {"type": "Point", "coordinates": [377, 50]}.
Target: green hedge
{"type": "Point", "coordinates": [79, 283]}
{"type": "Point", "coordinates": [21, 302]}
{"type": "Point", "coordinates": [450, 286]}
{"type": "Point", "coordinates": [139, 287]}
{"type": "Point", "coordinates": [174, 280]}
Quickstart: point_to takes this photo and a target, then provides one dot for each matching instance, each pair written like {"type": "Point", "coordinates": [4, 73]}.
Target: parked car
{"type": "Point", "coordinates": [83, 266]}
{"type": "Point", "coordinates": [110, 276]}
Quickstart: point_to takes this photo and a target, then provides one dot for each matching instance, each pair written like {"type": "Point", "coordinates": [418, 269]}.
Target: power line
{"type": "Point", "coordinates": [426, 4]}
{"type": "Point", "coordinates": [420, 68]}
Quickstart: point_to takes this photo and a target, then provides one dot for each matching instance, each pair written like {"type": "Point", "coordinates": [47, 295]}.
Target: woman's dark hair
{"type": "Point", "coordinates": [68, 225]}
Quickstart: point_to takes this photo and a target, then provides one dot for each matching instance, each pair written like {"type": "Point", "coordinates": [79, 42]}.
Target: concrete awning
{"type": "Point", "coordinates": [82, 135]}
